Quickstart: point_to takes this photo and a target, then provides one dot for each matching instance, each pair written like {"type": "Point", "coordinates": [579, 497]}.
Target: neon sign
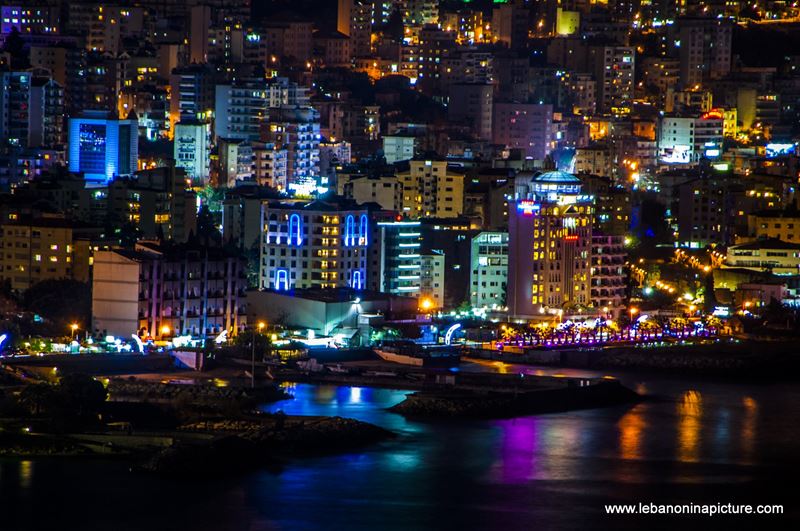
{"type": "Point", "coordinates": [528, 208]}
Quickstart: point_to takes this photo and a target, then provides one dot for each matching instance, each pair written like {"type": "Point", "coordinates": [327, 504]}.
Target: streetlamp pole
{"type": "Point", "coordinates": [253, 360]}
{"type": "Point", "coordinates": [261, 326]}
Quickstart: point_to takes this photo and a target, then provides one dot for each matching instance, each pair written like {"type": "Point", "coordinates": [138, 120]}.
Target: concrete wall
{"type": "Point", "coordinates": [115, 294]}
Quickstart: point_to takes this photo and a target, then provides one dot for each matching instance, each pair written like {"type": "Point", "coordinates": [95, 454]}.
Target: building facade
{"type": "Point", "coordinates": [103, 147]}
{"type": "Point", "coordinates": [550, 245]}
{"type": "Point", "coordinates": [162, 291]}
{"type": "Point", "coordinates": [489, 270]}
{"type": "Point", "coordinates": [316, 244]}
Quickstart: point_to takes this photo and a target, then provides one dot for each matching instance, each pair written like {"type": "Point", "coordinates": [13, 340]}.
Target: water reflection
{"type": "Point", "coordinates": [631, 428]}
{"type": "Point", "coordinates": [749, 428]}
{"type": "Point", "coordinates": [690, 413]}
{"type": "Point", "coordinates": [25, 474]}
{"type": "Point", "coordinates": [517, 449]}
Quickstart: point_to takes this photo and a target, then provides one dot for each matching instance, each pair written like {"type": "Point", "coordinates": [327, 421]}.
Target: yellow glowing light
{"type": "Point", "coordinates": [165, 330]}
{"type": "Point", "coordinates": [426, 304]}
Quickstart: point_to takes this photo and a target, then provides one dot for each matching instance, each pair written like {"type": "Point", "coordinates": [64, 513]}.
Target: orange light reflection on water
{"type": "Point", "coordinates": [690, 414]}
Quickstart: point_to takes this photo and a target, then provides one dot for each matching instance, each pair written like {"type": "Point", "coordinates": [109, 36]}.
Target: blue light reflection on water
{"type": "Point", "coordinates": [695, 441]}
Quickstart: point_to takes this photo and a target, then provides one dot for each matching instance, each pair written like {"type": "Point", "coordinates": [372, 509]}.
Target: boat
{"type": "Point", "coordinates": [418, 354]}
{"type": "Point", "coordinates": [338, 369]}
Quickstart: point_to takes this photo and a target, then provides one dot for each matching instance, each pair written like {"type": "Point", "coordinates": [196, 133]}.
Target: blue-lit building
{"type": "Point", "coordinates": [102, 146]}
{"type": "Point", "coordinates": [314, 244]}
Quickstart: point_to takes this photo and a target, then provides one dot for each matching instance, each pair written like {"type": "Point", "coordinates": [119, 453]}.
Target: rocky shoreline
{"type": "Point", "coordinates": [204, 394]}
{"type": "Point", "coordinates": [466, 404]}
{"type": "Point", "coordinates": [242, 444]}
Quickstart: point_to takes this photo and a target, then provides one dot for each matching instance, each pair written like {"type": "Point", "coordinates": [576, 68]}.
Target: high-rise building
{"type": "Point", "coordinates": [703, 46]}
{"type": "Point", "coordinates": [270, 165]}
{"type": "Point", "coordinates": [550, 245]}
{"type": "Point", "coordinates": [614, 72]}
{"type": "Point", "coordinates": [420, 12]}
{"type": "Point", "coordinates": [396, 263]}
{"type": "Point", "coordinates": [241, 108]}
{"type": "Point", "coordinates": [103, 147]}
{"type": "Point", "coordinates": [290, 37]}
{"type": "Point", "coordinates": [471, 105]}
{"type": "Point", "coordinates": [156, 203]}
{"type": "Point", "coordinates": [162, 291]}
{"type": "Point", "coordinates": [316, 244]}
{"type": "Point", "coordinates": [510, 25]}
{"type": "Point", "coordinates": [431, 188]}
{"type": "Point", "coordinates": [608, 272]}
{"type": "Point", "coordinates": [384, 190]}
{"type": "Point", "coordinates": [192, 93]}
{"type": "Point", "coordinates": [295, 128]}
{"type": "Point", "coordinates": [44, 248]}
{"type": "Point", "coordinates": [46, 114]}
{"type": "Point", "coordinates": [687, 139]}
{"type": "Point", "coordinates": [354, 19]}
{"type": "Point", "coordinates": [199, 24]}
{"type": "Point", "coordinates": [235, 161]}
{"type": "Point", "coordinates": [42, 19]}
{"type": "Point", "coordinates": [14, 98]}
{"type": "Point", "coordinates": [524, 126]}
{"type": "Point", "coordinates": [191, 149]}
{"type": "Point", "coordinates": [489, 270]}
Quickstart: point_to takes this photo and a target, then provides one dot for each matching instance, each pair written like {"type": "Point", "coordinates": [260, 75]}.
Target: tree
{"type": "Point", "coordinates": [37, 398]}
{"type": "Point", "coordinates": [81, 393]}
{"type": "Point", "coordinates": [207, 231]}
{"type": "Point", "coordinates": [62, 302]}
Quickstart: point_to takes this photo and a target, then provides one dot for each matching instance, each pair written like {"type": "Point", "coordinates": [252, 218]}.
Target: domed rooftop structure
{"type": "Point", "coordinates": [556, 182]}
{"type": "Point", "coordinates": [556, 177]}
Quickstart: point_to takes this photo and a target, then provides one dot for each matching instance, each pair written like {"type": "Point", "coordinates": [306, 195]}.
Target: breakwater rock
{"type": "Point", "coordinates": [201, 394]}
{"type": "Point", "coordinates": [262, 442]}
{"type": "Point", "coordinates": [489, 404]}
{"type": "Point", "coordinates": [24, 445]}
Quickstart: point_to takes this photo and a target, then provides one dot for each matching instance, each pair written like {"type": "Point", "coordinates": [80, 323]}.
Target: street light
{"type": "Point", "coordinates": [261, 325]}
{"type": "Point", "coordinates": [165, 330]}
{"type": "Point", "coordinates": [74, 328]}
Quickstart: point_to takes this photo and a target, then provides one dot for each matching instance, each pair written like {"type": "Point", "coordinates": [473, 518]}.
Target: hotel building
{"type": "Point", "coordinates": [313, 244]}
{"type": "Point", "coordinates": [550, 246]}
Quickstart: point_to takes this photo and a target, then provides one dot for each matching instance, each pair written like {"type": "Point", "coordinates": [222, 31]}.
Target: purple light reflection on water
{"type": "Point", "coordinates": [518, 448]}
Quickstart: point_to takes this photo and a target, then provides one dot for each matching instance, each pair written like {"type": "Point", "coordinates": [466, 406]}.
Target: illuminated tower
{"type": "Point", "coordinates": [550, 245]}
{"type": "Point", "coordinates": [103, 147]}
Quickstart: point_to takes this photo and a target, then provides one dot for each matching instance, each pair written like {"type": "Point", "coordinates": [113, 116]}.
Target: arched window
{"type": "Point", "coordinates": [356, 281]}
{"type": "Point", "coordinates": [295, 229]}
{"type": "Point", "coordinates": [282, 280]}
{"type": "Point", "coordinates": [362, 230]}
{"type": "Point", "coordinates": [349, 231]}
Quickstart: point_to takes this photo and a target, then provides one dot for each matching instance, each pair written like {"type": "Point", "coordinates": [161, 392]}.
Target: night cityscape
{"type": "Point", "coordinates": [399, 265]}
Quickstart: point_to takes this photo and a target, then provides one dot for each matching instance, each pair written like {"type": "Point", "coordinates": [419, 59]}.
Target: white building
{"type": "Point", "coordinates": [191, 149]}
{"type": "Point", "coordinates": [431, 280]}
{"type": "Point", "coordinates": [397, 148]}
{"type": "Point", "coordinates": [488, 270]}
{"type": "Point", "coordinates": [771, 254]}
{"type": "Point", "coordinates": [687, 139]}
